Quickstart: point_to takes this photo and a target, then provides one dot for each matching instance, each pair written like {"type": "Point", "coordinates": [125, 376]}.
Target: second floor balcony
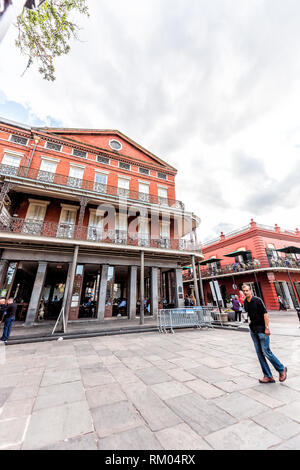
{"type": "Point", "coordinates": [93, 234]}
{"type": "Point", "coordinates": [73, 184]}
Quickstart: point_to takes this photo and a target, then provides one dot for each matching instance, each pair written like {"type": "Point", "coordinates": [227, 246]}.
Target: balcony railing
{"type": "Point", "coordinates": [241, 267]}
{"type": "Point", "coordinates": [93, 234]}
{"type": "Point", "coordinates": [86, 185]}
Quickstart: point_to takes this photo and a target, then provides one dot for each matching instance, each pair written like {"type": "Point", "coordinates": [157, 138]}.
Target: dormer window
{"type": "Point", "coordinates": [79, 153]}
{"type": "Point", "coordinates": [17, 139]}
{"type": "Point", "coordinates": [144, 171]}
{"type": "Point", "coordinates": [162, 176]}
{"type": "Point", "coordinates": [53, 146]}
{"type": "Point", "coordinates": [115, 145]}
{"type": "Point", "coordinates": [124, 166]}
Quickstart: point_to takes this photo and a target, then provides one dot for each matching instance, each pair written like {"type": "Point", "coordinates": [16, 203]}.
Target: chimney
{"type": "Point", "coordinates": [222, 236]}
{"type": "Point", "coordinates": [252, 223]}
{"type": "Point", "coordinates": [277, 229]}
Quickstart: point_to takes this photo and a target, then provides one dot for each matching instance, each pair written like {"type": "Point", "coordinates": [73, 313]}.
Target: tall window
{"type": "Point", "coordinates": [35, 217]}
{"type": "Point", "coordinates": [123, 186]}
{"type": "Point", "coordinates": [163, 196]}
{"type": "Point", "coordinates": [10, 164]}
{"type": "Point", "coordinates": [67, 221]}
{"type": "Point", "coordinates": [144, 232]}
{"type": "Point", "coordinates": [121, 228]}
{"type": "Point", "coordinates": [75, 176]}
{"type": "Point", "coordinates": [47, 169]}
{"type": "Point", "coordinates": [144, 192]}
{"type": "Point", "coordinates": [95, 229]}
{"type": "Point", "coordinates": [100, 182]}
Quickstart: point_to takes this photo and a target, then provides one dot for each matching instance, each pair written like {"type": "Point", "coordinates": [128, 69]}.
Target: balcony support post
{"type": "Point", "coordinates": [4, 263]}
{"type": "Point", "coordinates": [102, 293]}
{"type": "Point", "coordinates": [142, 288]}
{"type": "Point", "coordinates": [195, 281]}
{"type": "Point", "coordinates": [83, 203]}
{"type": "Point", "coordinates": [202, 300]}
{"type": "Point", "coordinates": [154, 292]}
{"type": "Point", "coordinates": [179, 297]}
{"type": "Point", "coordinates": [70, 284]}
{"type": "Point", "coordinates": [36, 294]}
{"type": "Point", "coordinates": [132, 292]}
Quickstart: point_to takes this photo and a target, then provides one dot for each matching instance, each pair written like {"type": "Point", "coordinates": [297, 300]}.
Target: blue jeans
{"type": "Point", "coordinates": [263, 351]}
{"type": "Point", "coordinates": [7, 328]}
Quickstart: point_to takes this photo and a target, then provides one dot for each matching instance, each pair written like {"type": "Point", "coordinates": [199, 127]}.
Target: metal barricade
{"type": "Point", "coordinates": [193, 317]}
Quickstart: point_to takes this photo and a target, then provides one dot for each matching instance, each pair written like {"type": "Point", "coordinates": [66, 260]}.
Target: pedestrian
{"type": "Point", "coordinates": [187, 301]}
{"type": "Point", "coordinates": [281, 303]}
{"type": "Point", "coordinates": [9, 317]}
{"type": "Point", "coordinates": [237, 308]}
{"type": "Point", "coordinates": [260, 334]}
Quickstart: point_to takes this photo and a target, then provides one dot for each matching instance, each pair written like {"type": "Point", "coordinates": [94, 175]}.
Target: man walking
{"type": "Point", "coordinates": [260, 334]}
{"type": "Point", "coordinates": [8, 313]}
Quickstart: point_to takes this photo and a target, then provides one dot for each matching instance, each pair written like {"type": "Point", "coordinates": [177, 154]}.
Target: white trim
{"type": "Point", "coordinates": [97, 212]}
{"type": "Point", "coordinates": [77, 165]}
{"type": "Point", "coordinates": [12, 152]}
{"type": "Point", "coordinates": [22, 137]}
{"type": "Point", "coordinates": [37, 201]}
{"type": "Point", "coordinates": [69, 207]}
{"type": "Point", "coordinates": [124, 177]}
{"type": "Point", "coordinates": [162, 187]}
{"type": "Point", "coordinates": [103, 172]}
{"type": "Point", "coordinates": [50, 159]}
{"type": "Point", "coordinates": [144, 182]}
{"type": "Point", "coordinates": [115, 140]}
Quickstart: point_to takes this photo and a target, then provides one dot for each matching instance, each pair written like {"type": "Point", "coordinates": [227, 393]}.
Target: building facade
{"type": "Point", "coordinates": [89, 221]}
{"type": "Point", "coordinates": [254, 259]}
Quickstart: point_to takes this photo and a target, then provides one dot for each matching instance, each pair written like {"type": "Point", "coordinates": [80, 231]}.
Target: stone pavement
{"type": "Point", "coordinates": [191, 390]}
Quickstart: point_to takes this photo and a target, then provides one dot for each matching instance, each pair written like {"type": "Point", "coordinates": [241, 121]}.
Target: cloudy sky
{"type": "Point", "coordinates": [212, 87]}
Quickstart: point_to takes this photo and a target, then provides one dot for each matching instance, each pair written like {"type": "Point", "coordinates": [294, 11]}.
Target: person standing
{"type": "Point", "coordinates": [237, 308]}
{"type": "Point", "coordinates": [260, 334]}
{"type": "Point", "coordinates": [9, 317]}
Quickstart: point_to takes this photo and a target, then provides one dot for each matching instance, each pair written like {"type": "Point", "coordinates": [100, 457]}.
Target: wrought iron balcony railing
{"type": "Point", "coordinates": [241, 267]}
{"type": "Point", "coordinates": [93, 234]}
{"type": "Point", "coordinates": [87, 185]}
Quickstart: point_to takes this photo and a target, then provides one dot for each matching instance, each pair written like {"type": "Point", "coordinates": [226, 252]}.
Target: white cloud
{"type": "Point", "coordinates": [211, 87]}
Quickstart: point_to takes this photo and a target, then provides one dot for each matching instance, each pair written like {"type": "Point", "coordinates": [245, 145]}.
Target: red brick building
{"type": "Point", "coordinates": [89, 217]}
{"type": "Point", "coordinates": [253, 260]}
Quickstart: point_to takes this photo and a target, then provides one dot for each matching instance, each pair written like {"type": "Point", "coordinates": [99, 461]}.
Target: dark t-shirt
{"type": "Point", "coordinates": [256, 310]}
{"type": "Point", "coordinates": [11, 310]}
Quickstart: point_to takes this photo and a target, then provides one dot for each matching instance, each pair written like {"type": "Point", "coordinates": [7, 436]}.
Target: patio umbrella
{"type": "Point", "coordinates": [210, 261]}
{"type": "Point", "coordinates": [238, 253]}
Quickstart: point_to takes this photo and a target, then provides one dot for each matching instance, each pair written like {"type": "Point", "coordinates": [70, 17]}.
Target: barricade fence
{"type": "Point", "coordinates": [190, 317]}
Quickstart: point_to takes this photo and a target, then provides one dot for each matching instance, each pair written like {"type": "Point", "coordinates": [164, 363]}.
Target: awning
{"type": "Point", "coordinates": [238, 253]}
{"type": "Point", "coordinates": [290, 249]}
{"type": "Point", "coordinates": [210, 261]}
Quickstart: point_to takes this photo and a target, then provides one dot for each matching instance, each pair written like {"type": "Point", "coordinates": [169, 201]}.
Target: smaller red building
{"type": "Point", "coordinates": [250, 255]}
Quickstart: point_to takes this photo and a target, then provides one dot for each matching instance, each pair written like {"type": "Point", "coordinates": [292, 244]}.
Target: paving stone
{"type": "Point", "coordinates": [53, 376]}
{"type": "Point", "coordinates": [85, 442]}
{"type": "Point", "coordinates": [104, 395]}
{"type": "Point", "coordinates": [292, 410]}
{"type": "Point", "coordinates": [181, 375]}
{"type": "Point", "coordinates": [290, 444]}
{"type": "Point", "coordinates": [204, 389]}
{"type": "Point", "coordinates": [237, 384]}
{"type": "Point", "coordinates": [12, 431]}
{"type": "Point", "coordinates": [136, 363]}
{"type": "Point", "coordinates": [185, 362]}
{"type": "Point", "coordinates": [152, 375]}
{"type": "Point", "coordinates": [59, 394]}
{"type": "Point", "coordinates": [207, 374]}
{"type": "Point", "coordinates": [262, 398]}
{"type": "Point", "coordinates": [181, 437]}
{"type": "Point", "coordinates": [17, 409]}
{"type": "Point", "coordinates": [171, 389]}
{"type": "Point", "coordinates": [202, 416]}
{"type": "Point", "coordinates": [51, 425]}
{"type": "Point", "coordinates": [278, 424]}
{"type": "Point", "coordinates": [98, 378]}
{"type": "Point", "coordinates": [115, 418]}
{"type": "Point", "coordinates": [294, 382]}
{"type": "Point", "coordinates": [140, 438]}
{"type": "Point", "coordinates": [239, 406]}
{"type": "Point", "coordinates": [4, 394]}
{"type": "Point", "coordinates": [123, 375]}
{"type": "Point", "coordinates": [279, 392]}
{"type": "Point", "coordinates": [245, 435]}
{"type": "Point", "coordinates": [20, 393]}
{"type": "Point", "coordinates": [149, 405]}
{"type": "Point", "coordinates": [62, 362]}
